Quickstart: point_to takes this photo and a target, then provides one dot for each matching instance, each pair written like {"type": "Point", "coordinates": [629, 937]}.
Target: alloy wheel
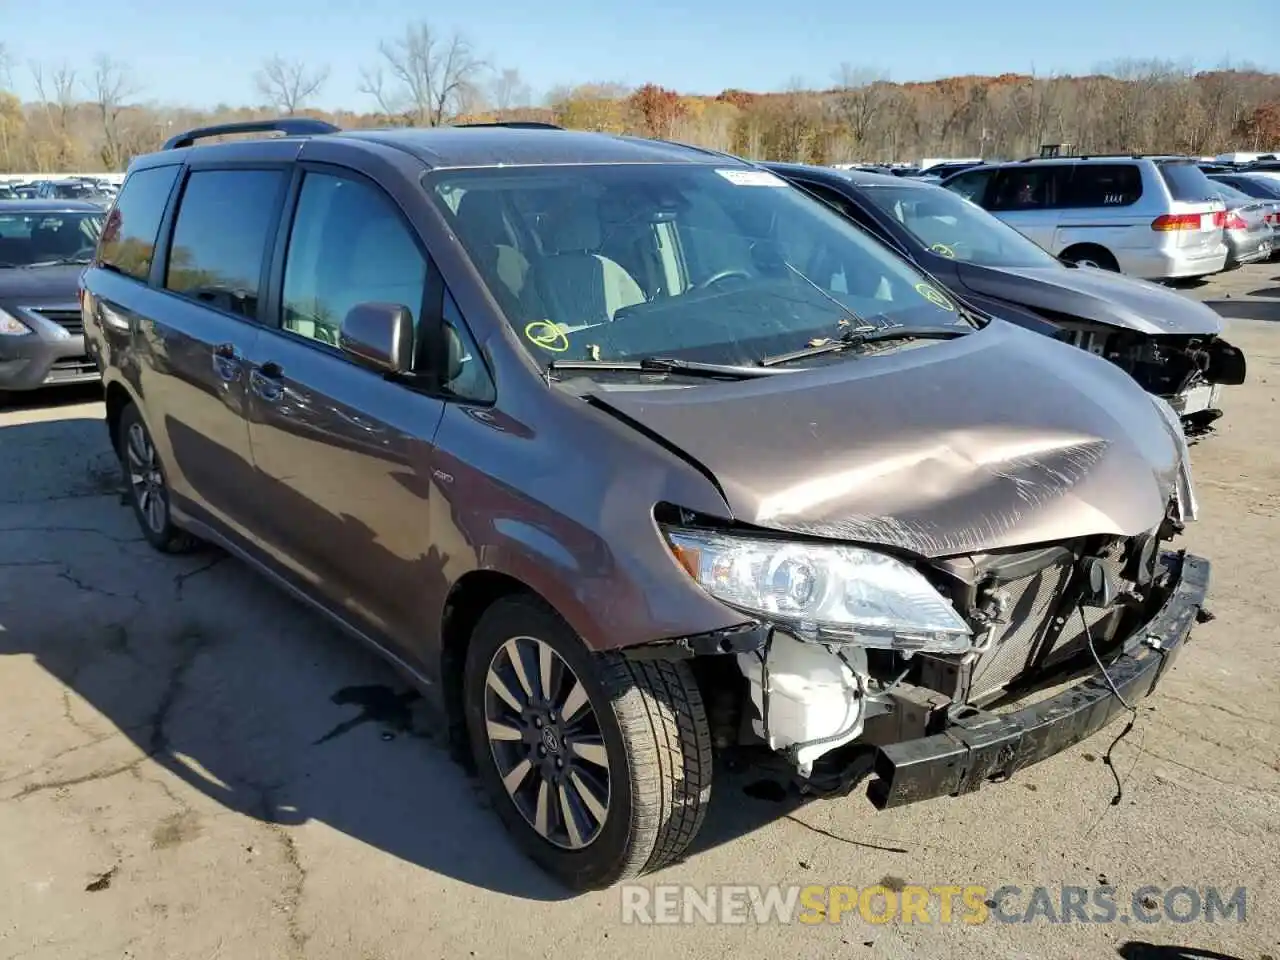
{"type": "Point", "coordinates": [545, 740]}
{"type": "Point", "coordinates": [145, 479]}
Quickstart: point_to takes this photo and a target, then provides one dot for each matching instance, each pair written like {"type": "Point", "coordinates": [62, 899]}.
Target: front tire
{"type": "Point", "coordinates": [148, 485]}
{"type": "Point", "coordinates": [599, 766]}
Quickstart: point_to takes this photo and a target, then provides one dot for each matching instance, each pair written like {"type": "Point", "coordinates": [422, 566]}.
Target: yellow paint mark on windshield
{"type": "Point", "coordinates": [934, 296]}
{"type": "Point", "coordinates": [547, 335]}
{"type": "Point", "coordinates": [942, 250]}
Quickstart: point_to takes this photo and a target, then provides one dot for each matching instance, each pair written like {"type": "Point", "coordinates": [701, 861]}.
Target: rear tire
{"type": "Point", "coordinates": [147, 485]}
{"type": "Point", "coordinates": [633, 738]}
{"type": "Point", "coordinates": [1088, 256]}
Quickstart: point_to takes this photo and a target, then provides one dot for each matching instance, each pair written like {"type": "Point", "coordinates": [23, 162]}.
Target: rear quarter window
{"type": "Point", "coordinates": [128, 243]}
{"type": "Point", "coordinates": [1186, 182]}
{"type": "Point", "coordinates": [1103, 185]}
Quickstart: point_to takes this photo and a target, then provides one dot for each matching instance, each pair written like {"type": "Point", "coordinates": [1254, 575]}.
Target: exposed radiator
{"type": "Point", "coordinates": [1031, 602]}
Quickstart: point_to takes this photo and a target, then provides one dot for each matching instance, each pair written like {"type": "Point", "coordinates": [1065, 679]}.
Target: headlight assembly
{"type": "Point", "coordinates": [836, 594]}
{"type": "Point", "coordinates": [11, 326]}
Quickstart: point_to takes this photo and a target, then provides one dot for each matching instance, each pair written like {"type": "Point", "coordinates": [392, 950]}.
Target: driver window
{"type": "Point", "coordinates": [348, 245]}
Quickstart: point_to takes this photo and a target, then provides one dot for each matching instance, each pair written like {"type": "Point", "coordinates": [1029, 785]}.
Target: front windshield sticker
{"type": "Point", "coordinates": [752, 178]}
{"type": "Point", "coordinates": [547, 335]}
{"type": "Point", "coordinates": [934, 296]}
{"type": "Point", "coordinates": [942, 250]}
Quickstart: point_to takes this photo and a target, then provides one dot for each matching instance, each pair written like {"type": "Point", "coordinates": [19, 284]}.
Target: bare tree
{"type": "Point", "coordinates": [423, 75]}
{"type": "Point", "coordinates": [6, 68]}
{"type": "Point", "coordinates": [110, 87]}
{"type": "Point", "coordinates": [289, 84]}
{"type": "Point", "coordinates": [859, 98]}
{"type": "Point", "coordinates": [56, 90]}
{"type": "Point", "coordinates": [508, 91]}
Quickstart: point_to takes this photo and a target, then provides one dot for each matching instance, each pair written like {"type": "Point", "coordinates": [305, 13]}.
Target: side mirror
{"type": "Point", "coordinates": [379, 335]}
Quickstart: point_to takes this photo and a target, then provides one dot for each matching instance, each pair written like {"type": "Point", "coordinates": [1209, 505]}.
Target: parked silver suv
{"type": "Point", "coordinates": [1152, 217]}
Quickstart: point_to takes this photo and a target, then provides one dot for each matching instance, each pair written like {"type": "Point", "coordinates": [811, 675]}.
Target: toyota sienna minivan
{"type": "Point", "coordinates": [632, 453]}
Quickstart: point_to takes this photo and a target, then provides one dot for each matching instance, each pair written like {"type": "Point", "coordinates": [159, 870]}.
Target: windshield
{"type": "Point", "coordinates": [624, 261]}
{"type": "Point", "coordinates": [956, 228]}
{"type": "Point", "coordinates": [32, 238]}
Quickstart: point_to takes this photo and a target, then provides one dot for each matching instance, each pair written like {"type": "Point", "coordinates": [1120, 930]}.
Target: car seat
{"type": "Point", "coordinates": [483, 227]}
{"type": "Point", "coordinates": [578, 286]}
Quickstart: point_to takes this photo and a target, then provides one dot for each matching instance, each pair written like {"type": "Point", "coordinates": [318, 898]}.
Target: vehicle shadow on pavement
{"type": "Point", "coordinates": [1263, 304]}
{"type": "Point", "coordinates": [1138, 950]}
{"type": "Point", "coordinates": [200, 666]}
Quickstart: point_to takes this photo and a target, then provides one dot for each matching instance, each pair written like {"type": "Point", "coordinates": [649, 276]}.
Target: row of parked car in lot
{"type": "Point", "coordinates": [1059, 202]}
{"type": "Point", "coordinates": [631, 451]}
{"type": "Point", "coordinates": [97, 190]}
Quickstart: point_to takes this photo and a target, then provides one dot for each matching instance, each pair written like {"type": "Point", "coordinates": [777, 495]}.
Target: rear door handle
{"type": "Point", "coordinates": [265, 381]}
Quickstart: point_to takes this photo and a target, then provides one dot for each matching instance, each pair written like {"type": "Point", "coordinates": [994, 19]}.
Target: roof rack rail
{"type": "Point", "coordinates": [1084, 156]}
{"type": "Point", "coordinates": [289, 126]}
{"type": "Point", "coordinates": [1108, 156]}
{"type": "Point", "coordinates": [514, 125]}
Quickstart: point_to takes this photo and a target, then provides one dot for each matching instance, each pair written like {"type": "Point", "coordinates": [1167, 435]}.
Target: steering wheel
{"type": "Point", "coordinates": [722, 275]}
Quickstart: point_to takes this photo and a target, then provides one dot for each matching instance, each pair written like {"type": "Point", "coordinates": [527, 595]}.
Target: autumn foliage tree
{"type": "Point", "coordinates": [1261, 128]}
{"type": "Point", "coordinates": [656, 110]}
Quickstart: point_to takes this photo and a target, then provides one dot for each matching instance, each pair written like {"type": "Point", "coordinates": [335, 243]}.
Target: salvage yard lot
{"type": "Point", "coordinates": [197, 766]}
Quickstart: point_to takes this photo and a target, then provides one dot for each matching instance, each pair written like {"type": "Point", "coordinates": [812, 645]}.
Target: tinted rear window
{"type": "Point", "coordinates": [1103, 185]}
{"type": "Point", "coordinates": [1186, 182]}
{"type": "Point", "coordinates": [129, 237]}
{"type": "Point", "coordinates": [220, 236]}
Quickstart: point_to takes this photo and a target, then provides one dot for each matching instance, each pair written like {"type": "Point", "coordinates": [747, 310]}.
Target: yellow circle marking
{"type": "Point", "coordinates": [934, 296]}
{"type": "Point", "coordinates": [942, 250]}
{"type": "Point", "coordinates": [547, 335]}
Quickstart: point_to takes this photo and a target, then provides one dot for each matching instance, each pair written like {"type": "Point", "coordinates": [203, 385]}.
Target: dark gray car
{"type": "Point", "coordinates": [628, 450]}
{"type": "Point", "coordinates": [1169, 343]}
{"type": "Point", "coordinates": [44, 247]}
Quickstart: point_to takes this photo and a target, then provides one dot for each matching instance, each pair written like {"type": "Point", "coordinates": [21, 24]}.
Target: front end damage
{"type": "Point", "coordinates": [1079, 630]}
{"type": "Point", "coordinates": [914, 552]}
{"type": "Point", "coordinates": [1187, 370]}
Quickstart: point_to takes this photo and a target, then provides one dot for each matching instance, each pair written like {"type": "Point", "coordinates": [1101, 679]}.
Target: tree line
{"type": "Point", "coordinates": [98, 117]}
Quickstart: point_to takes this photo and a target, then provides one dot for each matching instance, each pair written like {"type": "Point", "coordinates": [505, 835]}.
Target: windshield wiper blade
{"type": "Point", "coordinates": [60, 262]}
{"type": "Point", "coordinates": [858, 336]}
{"type": "Point", "coordinates": [692, 368]}
{"type": "Point", "coordinates": [848, 312]}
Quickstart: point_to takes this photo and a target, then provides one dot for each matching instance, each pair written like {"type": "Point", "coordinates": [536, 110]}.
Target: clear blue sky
{"type": "Point", "coordinates": [202, 53]}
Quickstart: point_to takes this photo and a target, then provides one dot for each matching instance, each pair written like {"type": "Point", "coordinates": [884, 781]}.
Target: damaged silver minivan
{"type": "Point", "coordinates": [634, 453]}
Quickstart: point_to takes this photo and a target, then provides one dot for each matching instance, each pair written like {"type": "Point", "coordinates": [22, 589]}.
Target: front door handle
{"type": "Point", "coordinates": [226, 362]}
{"type": "Point", "coordinates": [265, 381]}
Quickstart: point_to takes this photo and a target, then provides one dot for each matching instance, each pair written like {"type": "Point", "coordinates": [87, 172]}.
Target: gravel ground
{"type": "Point", "coordinates": [198, 767]}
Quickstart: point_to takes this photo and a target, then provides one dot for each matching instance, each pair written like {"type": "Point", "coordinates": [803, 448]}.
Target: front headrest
{"type": "Point", "coordinates": [481, 218]}
{"type": "Point", "coordinates": [572, 227]}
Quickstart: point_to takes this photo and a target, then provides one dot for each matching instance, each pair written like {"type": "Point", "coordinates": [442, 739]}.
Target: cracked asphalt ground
{"type": "Point", "coordinates": [195, 766]}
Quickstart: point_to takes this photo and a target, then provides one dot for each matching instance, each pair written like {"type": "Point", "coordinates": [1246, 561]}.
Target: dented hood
{"type": "Point", "coordinates": [1096, 295]}
{"type": "Point", "coordinates": [998, 439]}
